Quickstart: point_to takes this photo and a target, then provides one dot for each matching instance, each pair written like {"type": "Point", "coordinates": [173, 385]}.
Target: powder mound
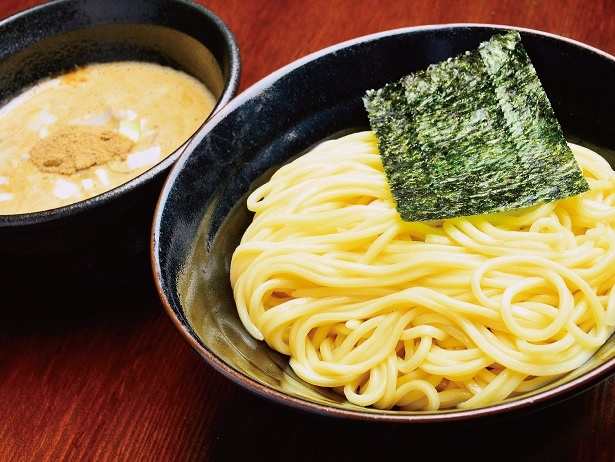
{"type": "Point", "coordinates": [77, 147]}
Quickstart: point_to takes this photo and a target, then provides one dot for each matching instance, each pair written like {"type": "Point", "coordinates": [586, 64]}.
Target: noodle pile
{"type": "Point", "coordinates": [462, 312]}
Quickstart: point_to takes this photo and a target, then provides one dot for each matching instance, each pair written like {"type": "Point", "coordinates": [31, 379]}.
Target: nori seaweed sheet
{"type": "Point", "coordinates": [471, 135]}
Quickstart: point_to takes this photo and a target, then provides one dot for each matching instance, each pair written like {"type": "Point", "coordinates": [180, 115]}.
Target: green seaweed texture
{"type": "Point", "coordinates": [471, 135]}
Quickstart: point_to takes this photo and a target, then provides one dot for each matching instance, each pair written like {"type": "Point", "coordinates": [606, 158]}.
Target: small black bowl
{"type": "Point", "coordinates": [100, 238]}
{"type": "Point", "coordinates": [201, 214]}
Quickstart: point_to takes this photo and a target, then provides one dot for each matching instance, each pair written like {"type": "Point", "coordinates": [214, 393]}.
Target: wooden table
{"type": "Point", "coordinates": [108, 378]}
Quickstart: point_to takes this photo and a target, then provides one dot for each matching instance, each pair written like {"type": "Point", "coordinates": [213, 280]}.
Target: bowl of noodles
{"type": "Point", "coordinates": [96, 104]}
{"type": "Point", "coordinates": [280, 256]}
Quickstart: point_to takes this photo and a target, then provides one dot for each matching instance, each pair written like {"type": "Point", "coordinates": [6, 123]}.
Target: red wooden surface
{"type": "Point", "coordinates": [107, 377]}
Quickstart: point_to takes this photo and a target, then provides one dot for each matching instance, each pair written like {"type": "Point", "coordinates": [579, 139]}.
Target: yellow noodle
{"type": "Point", "coordinates": [460, 313]}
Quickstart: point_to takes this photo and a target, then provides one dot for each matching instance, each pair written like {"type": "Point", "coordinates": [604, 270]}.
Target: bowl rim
{"type": "Point", "coordinates": [231, 85]}
{"type": "Point", "coordinates": [504, 409]}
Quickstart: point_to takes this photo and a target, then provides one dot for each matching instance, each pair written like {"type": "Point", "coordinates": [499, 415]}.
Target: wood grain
{"type": "Point", "coordinates": [106, 376]}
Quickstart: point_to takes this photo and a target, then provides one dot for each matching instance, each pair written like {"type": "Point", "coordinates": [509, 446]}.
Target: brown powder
{"type": "Point", "coordinates": [77, 147]}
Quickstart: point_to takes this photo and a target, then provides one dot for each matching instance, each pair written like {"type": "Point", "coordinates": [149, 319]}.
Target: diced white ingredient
{"type": "Point", "coordinates": [130, 130]}
{"type": "Point", "coordinates": [25, 157]}
{"type": "Point", "coordinates": [142, 158]}
{"type": "Point", "coordinates": [98, 120]}
{"type": "Point", "coordinates": [41, 122]}
{"type": "Point", "coordinates": [353, 323]}
{"type": "Point", "coordinates": [4, 180]}
{"type": "Point", "coordinates": [87, 183]}
{"type": "Point", "coordinates": [102, 176]}
{"type": "Point", "coordinates": [64, 189]}
{"type": "Point", "coordinates": [45, 118]}
{"type": "Point", "coordinates": [124, 114]}
{"type": "Point", "coordinates": [5, 197]}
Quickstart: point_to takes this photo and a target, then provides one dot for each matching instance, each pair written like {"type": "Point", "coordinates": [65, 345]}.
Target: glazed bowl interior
{"type": "Point", "coordinates": [55, 37]}
{"type": "Point", "coordinates": [201, 214]}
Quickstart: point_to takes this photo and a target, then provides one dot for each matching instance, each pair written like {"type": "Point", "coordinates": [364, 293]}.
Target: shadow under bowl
{"type": "Point", "coordinates": [201, 214]}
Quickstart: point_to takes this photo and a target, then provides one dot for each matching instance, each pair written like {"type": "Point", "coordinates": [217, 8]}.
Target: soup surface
{"type": "Point", "coordinates": [88, 131]}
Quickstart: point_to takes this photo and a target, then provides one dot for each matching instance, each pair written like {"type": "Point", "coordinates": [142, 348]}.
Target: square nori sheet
{"type": "Point", "coordinates": [474, 134]}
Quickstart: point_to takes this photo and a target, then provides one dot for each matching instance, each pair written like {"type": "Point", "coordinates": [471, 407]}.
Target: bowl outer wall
{"type": "Point", "coordinates": [318, 97]}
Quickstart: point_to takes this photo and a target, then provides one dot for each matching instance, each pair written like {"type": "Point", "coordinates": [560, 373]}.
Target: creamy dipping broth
{"type": "Point", "coordinates": [73, 137]}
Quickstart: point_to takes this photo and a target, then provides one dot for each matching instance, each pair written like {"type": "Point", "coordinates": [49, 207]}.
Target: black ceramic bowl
{"type": "Point", "coordinates": [103, 234]}
{"type": "Point", "coordinates": [201, 214]}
